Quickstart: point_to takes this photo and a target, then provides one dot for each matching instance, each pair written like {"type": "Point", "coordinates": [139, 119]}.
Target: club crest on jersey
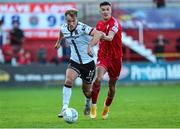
{"type": "Point", "coordinates": [84, 27]}
{"type": "Point", "coordinates": [76, 32]}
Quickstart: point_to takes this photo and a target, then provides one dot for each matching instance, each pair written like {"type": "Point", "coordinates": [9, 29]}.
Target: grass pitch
{"type": "Point", "coordinates": [134, 106]}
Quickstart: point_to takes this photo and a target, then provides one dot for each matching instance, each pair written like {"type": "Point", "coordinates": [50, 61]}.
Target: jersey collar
{"type": "Point", "coordinates": [74, 28]}
{"type": "Point", "coordinates": [105, 22]}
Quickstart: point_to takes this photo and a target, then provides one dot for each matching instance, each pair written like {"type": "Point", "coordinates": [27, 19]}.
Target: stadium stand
{"type": "Point", "coordinates": [89, 14]}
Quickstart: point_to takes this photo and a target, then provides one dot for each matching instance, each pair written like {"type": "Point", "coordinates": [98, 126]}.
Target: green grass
{"type": "Point", "coordinates": [134, 106]}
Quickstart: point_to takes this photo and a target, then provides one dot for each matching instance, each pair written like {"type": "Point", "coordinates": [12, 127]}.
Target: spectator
{"type": "Point", "coordinates": [21, 57]}
{"type": "Point", "coordinates": [3, 33]}
{"type": "Point", "coordinates": [28, 58]}
{"type": "Point", "coordinates": [159, 46]}
{"type": "Point", "coordinates": [55, 60]}
{"type": "Point", "coordinates": [7, 51]}
{"type": "Point", "coordinates": [1, 40]}
{"type": "Point", "coordinates": [178, 46]}
{"type": "Point", "coordinates": [160, 3]}
{"type": "Point", "coordinates": [1, 57]}
{"type": "Point", "coordinates": [16, 37]}
{"type": "Point", "coordinates": [24, 57]}
{"type": "Point", "coordinates": [41, 55]}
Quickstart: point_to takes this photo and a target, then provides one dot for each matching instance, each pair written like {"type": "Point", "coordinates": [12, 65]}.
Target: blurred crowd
{"type": "Point", "coordinates": [11, 43]}
{"type": "Point", "coordinates": [12, 50]}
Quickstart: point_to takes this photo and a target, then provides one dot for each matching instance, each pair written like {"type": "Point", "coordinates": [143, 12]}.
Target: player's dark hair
{"type": "Point", "coordinates": [104, 3]}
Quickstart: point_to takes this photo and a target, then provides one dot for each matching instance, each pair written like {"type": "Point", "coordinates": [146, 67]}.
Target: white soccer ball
{"type": "Point", "coordinates": [70, 115]}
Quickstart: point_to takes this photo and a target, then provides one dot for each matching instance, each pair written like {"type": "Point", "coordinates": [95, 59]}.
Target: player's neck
{"type": "Point", "coordinates": [106, 20]}
{"type": "Point", "coordinates": [72, 29]}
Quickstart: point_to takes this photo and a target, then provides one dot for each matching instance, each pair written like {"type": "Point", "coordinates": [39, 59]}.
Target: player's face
{"type": "Point", "coordinates": [105, 12]}
{"type": "Point", "coordinates": [71, 22]}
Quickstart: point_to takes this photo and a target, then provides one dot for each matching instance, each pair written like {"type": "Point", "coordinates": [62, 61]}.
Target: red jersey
{"type": "Point", "coordinates": [110, 49]}
{"type": "Point", "coordinates": [7, 52]}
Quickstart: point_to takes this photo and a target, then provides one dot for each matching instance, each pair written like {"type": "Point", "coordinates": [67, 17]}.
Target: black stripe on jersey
{"type": "Point", "coordinates": [91, 31]}
{"type": "Point", "coordinates": [77, 52]}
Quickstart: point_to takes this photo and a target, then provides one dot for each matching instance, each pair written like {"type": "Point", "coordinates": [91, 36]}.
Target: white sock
{"type": "Point", "coordinates": [66, 96]}
{"type": "Point", "coordinates": [93, 104]}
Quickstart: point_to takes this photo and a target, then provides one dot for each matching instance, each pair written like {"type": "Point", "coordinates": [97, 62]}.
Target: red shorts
{"type": "Point", "coordinates": [113, 67]}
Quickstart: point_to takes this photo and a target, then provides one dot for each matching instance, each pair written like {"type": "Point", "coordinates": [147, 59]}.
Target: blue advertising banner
{"type": "Point", "coordinates": [152, 18]}
{"type": "Point", "coordinates": [55, 75]}
{"type": "Point", "coordinates": [150, 72]}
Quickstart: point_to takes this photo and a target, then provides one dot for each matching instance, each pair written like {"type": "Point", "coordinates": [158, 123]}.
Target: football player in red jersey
{"type": "Point", "coordinates": [109, 57]}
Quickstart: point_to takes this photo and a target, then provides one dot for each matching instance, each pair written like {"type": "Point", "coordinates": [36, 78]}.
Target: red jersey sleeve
{"type": "Point", "coordinates": [98, 26]}
{"type": "Point", "coordinates": [115, 26]}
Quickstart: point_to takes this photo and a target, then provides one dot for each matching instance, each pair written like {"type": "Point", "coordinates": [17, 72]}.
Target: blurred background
{"type": "Point", "coordinates": [29, 30]}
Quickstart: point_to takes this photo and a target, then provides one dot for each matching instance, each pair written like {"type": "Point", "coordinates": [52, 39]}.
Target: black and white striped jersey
{"type": "Point", "coordinates": [78, 40]}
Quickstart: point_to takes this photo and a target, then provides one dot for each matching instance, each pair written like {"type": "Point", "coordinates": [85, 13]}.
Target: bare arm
{"type": "Point", "coordinates": [57, 45]}
{"type": "Point", "coordinates": [109, 37]}
{"type": "Point", "coordinates": [111, 33]}
{"type": "Point", "coordinates": [96, 37]}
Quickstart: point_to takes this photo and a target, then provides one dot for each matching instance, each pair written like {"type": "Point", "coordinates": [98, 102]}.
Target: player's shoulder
{"type": "Point", "coordinates": [63, 26]}
{"type": "Point", "coordinates": [115, 22]}
{"type": "Point", "coordinates": [100, 22]}
{"type": "Point", "coordinates": [82, 26]}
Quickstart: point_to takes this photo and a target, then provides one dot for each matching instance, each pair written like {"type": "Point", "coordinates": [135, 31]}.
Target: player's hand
{"type": "Point", "coordinates": [57, 45]}
{"type": "Point", "coordinates": [103, 35]}
{"type": "Point", "coordinates": [90, 51]}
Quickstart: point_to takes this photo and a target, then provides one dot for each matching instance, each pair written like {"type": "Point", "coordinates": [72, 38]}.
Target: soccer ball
{"type": "Point", "coordinates": [70, 115]}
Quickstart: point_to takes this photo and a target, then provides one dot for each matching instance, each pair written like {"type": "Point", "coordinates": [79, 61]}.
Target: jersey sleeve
{"type": "Point", "coordinates": [98, 26]}
{"type": "Point", "coordinates": [114, 28]}
{"type": "Point", "coordinates": [61, 29]}
{"type": "Point", "coordinates": [87, 29]}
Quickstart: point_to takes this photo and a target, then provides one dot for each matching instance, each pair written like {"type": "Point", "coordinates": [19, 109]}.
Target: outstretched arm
{"type": "Point", "coordinates": [112, 32]}
{"type": "Point", "coordinates": [96, 37]}
{"type": "Point", "coordinates": [109, 37]}
{"type": "Point", "coordinates": [57, 45]}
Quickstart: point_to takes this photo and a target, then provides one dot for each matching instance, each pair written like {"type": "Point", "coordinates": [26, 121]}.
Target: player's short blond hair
{"type": "Point", "coordinates": [71, 12]}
